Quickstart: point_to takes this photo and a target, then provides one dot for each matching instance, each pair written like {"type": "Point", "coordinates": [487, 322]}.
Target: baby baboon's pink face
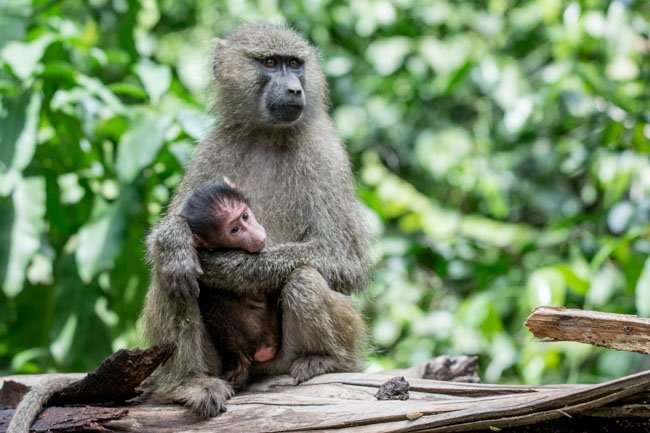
{"type": "Point", "coordinates": [240, 229]}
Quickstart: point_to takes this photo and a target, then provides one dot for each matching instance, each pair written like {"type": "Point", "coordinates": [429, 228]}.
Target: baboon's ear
{"type": "Point", "coordinates": [220, 46]}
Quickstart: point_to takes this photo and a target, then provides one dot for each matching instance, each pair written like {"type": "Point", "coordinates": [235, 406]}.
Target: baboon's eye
{"type": "Point", "coordinates": [270, 62]}
{"type": "Point", "coordinates": [294, 63]}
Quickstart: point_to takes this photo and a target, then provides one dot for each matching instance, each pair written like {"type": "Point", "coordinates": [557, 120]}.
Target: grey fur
{"type": "Point", "coordinates": [300, 180]}
{"type": "Point", "coordinates": [31, 404]}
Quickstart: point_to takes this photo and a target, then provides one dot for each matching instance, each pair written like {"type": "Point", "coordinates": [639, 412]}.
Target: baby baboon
{"type": "Point", "coordinates": [244, 328]}
{"type": "Point", "coordinates": [276, 141]}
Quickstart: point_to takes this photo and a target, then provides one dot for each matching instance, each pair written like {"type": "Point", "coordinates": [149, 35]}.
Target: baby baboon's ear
{"type": "Point", "coordinates": [229, 182]}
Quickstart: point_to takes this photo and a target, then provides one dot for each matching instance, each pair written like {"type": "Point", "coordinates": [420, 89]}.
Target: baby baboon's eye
{"type": "Point", "coordinates": [245, 216]}
{"type": "Point", "coordinates": [234, 230]}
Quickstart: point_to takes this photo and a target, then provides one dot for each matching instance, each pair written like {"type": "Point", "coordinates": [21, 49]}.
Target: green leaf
{"type": "Point", "coordinates": [503, 355]}
{"type": "Point", "coordinates": [13, 20]}
{"type": "Point", "coordinates": [141, 143]}
{"type": "Point", "coordinates": [154, 77]}
{"type": "Point", "coordinates": [101, 239]}
{"type": "Point", "coordinates": [385, 332]}
{"type": "Point", "coordinates": [546, 286]}
{"type": "Point", "coordinates": [604, 284]}
{"type": "Point", "coordinates": [25, 232]}
{"type": "Point", "coordinates": [479, 312]}
{"type": "Point", "coordinates": [71, 191]}
{"type": "Point", "coordinates": [24, 57]}
{"type": "Point", "coordinates": [497, 233]}
{"type": "Point", "coordinates": [21, 361]}
{"type": "Point", "coordinates": [575, 281]}
{"type": "Point", "coordinates": [97, 88]}
{"type": "Point", "coordinates": [128, 89]}
{"type": "Point", "coordinates": [439, 151]}
{"type": "Point", "coordinates": [18, 128]}
{"type": "Point", "coordinates": [195, 123]}
{"type": "Point", "coordinates": [388, 54]}
{"type": "Point", "coordinates": [61, 346]}
{"type": "Point", "coordinates": [643, 291]}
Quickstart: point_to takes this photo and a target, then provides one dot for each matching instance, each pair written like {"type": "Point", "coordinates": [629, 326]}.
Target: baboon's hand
{"type": "Point", "coordinates": [175, 260]}
{"type": "Point", "coordinates": [180, 278]}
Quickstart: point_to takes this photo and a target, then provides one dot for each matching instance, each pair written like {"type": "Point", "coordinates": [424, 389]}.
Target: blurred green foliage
{"type": "Point", "coordinates": [501, 148]}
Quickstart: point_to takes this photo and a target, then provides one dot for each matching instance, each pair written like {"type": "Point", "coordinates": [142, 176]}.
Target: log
{"type": "Point", "coordinates": [447, 368]}
{"type": "Point", "coordinates": [351, 402]}
{"type": "Point", "coordinates": [69, 419]}
{"type": "Point", "coordinates": [117, 378]}
{"type": "Point", "coordinates": [615, 331]}
{"type": "Point", "coordinates": [347, 403]}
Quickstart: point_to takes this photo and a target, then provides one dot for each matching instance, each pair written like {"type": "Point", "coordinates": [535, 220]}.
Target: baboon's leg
{"type": "Point", "coordinates": [322, 330]}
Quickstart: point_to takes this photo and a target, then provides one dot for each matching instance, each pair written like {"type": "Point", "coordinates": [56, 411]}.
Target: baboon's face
{"type": "Point", "coordinates": [282, 98]}
{"type": "Point", "coordinates": [268, 76]}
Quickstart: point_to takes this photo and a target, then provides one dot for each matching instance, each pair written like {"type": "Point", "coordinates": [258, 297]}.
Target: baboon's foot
{"type": "Point", "coordinates": [205, 396]}
{"type": "Point", "coordinates": [307, 367]}
{"type": "Point", "coordinates": [238, 376]}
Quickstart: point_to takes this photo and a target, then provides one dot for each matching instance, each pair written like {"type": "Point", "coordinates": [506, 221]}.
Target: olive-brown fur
{"type": "Point", "coordinates": [299, 178]}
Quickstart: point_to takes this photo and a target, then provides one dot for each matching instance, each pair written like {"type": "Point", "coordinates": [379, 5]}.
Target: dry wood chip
{"type": "Point", "coordinates": [396, 388]}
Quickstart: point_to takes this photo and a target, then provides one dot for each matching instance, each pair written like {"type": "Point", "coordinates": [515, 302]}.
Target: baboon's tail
{"type": "Point", "coordinates": [33, 402]}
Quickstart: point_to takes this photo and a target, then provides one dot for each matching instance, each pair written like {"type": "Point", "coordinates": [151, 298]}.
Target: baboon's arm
{"type": "Point", "coordinates": [174, 258]}
{"type": "Point", "coordinates": [268, 270]}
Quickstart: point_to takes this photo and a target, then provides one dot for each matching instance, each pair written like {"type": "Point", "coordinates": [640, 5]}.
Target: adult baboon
{"type": "Point", "coordinates": [276, 141]}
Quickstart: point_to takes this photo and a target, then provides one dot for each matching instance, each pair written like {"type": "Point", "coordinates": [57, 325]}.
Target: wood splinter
{"type": "Point", "coordinates": [614, 331]}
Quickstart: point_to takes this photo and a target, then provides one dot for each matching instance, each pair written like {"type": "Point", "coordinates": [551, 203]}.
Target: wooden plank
{"type": "Point", "coordinates": [615, 331]}
{"type": "Point", "coordinates": [306, 414]}
{"type": "Point", "coordinates": [82, 418]}
{"type": "Point", "coordinates": [431, 386]}
{"type": "Point", "coordinates": [345, 403]}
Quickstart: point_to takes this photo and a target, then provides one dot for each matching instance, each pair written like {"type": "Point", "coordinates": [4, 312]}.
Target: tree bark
{"type": "Point", "coordinates": [615, 331]}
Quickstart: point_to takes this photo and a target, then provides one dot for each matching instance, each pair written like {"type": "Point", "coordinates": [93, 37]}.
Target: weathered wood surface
{"type": "Point", "coordinates": [117, 378]}
{"type": "Point", "coordinates": [615, 331]}
{"type": "Point", "coordinates": [460, 368]}
{"type": "Point", "coordinates": [347, 403]}
{"type": "Point", "coordinates": [69, 419]}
